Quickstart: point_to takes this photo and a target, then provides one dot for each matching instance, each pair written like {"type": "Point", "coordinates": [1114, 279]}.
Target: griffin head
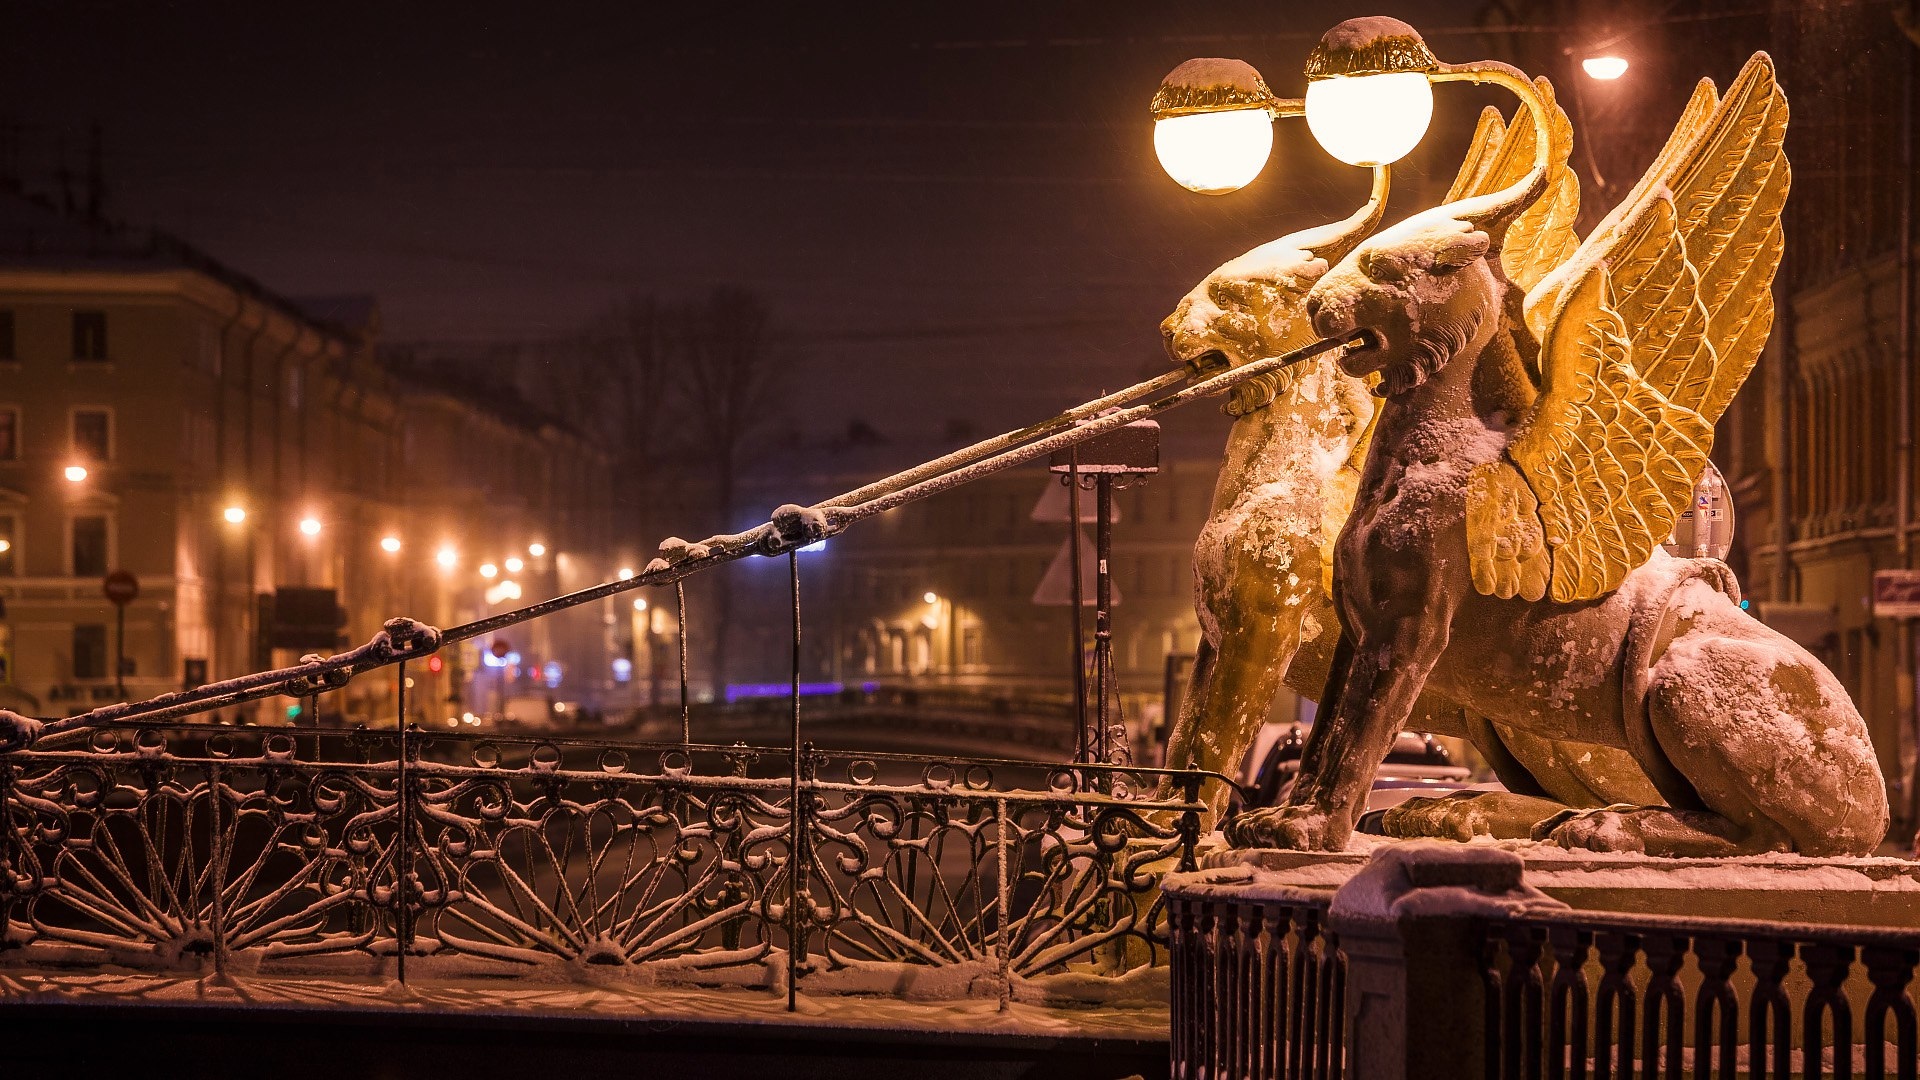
{"type": "Point", "coordinates": [1431, 288]}
{"type": "Point", "coordinates": [1247, 310]}
{"type": "Point", "coordinates": [1252, 307]}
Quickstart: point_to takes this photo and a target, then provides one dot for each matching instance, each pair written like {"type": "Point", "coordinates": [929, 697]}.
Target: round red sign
{"type": "Point", "coordinates": [121, 587]}
{"type": "Point", "coordinates": [500, 648]}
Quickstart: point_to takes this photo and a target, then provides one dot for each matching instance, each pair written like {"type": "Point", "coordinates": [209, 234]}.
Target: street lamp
{"type": "Point", "coordinates": [235, 515]}
{"type": "Point", "coordinates": [1369, 101]}
{"type": "Point", "coordinates": [75, 473]}
{"type": "Point", "coordinates": [1604, 68]}
{"type": "Point", "coordinates": [513, 564]}
{"type": "Point", "coordinates": [310, 526]}
{"type": "Point", "coordinates": [536, 549]}
{"type": "Point", "coordinates": [390, 544]}
{"type": "Point", "coordinates": [488, 570]}
{"type": "Point", "coordinates": [447, 557]}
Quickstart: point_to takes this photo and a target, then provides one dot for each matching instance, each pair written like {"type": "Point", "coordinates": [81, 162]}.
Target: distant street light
{"type": "Point", "coordinates": [76, 473]}
{"type": "Point", "coordinates": [235, 515]}
{"type": "Point", "coordinates": [536, 549]}
{"type": "Point", "coordinates": [447, 557]}
{"type": "Point", "coordinates": [513, 564]}
{"type": "Point", "coordinates": [1604, 68]}
{"type": "Point", "coordinates": [310, 526]}
{"type": "Point", "coordinates": [390, 544]}
{"type": "Point", "coordinates": [639, 602]}
{"type": "Point", "coordinates": [626, 573]}
{"type": "Point", "coordinates": [488, 570]}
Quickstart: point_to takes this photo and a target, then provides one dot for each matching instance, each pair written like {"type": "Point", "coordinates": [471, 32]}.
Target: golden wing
{"type": "Point", "coordinates": [1543, 236]}
{"type": "Point", "coordinates": [1646, 333]}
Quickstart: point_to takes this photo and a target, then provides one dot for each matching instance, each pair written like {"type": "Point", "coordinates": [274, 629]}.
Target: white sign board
{"type": "Point", "coordinates": [1896, 594]}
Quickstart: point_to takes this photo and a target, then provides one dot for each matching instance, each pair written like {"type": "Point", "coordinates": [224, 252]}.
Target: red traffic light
{"type": "Point", "coordinates": [434, 664]}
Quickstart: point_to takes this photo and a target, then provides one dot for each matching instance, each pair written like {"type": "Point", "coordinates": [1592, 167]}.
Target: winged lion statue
{"type": "Point", "coordinates": [1546, 402]}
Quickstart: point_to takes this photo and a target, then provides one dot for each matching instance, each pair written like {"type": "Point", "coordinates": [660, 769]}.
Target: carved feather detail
{"type": "Point", "coordinates": [1647, 331]}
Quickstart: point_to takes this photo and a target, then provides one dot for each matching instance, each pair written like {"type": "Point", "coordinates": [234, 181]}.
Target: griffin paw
{"type": "Point", "coordinates": [1442, 818]}
{"type": "Point", "coordinates": [1611, 828]}
{"type": "Point", "coordinates": [1299, 828]}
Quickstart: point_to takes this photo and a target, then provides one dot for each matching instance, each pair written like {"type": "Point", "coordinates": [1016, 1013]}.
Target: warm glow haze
{"type": "Point", "coordinates": [1604, 68]}
{"type": "Point", "coordinates": [1214, 153]}
{"type": "Point", "coordinates": [1370, 119]}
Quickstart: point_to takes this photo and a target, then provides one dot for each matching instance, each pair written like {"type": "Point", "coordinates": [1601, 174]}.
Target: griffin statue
{"type": "Point", "coordinates": [1546, 403]}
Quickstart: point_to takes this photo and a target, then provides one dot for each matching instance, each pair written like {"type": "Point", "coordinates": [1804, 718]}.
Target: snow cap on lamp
{"type": "Point", "coordinates": [1368, 99]}
{"type": "Point", "coordinates": [1213, 124]}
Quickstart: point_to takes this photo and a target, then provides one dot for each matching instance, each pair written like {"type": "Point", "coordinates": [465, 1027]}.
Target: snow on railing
{"type": "Point", "coordinates": [296, 852]}
{"type": "Point", "coordinates": [1438, 961]}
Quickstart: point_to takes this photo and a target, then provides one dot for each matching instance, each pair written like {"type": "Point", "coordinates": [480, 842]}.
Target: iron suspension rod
{"type": "Point", "coordinates": [988, 447]}
{"type": "Point", "coordinates": [693, 558]}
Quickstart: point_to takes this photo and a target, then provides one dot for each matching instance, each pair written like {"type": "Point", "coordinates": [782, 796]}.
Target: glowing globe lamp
{"type": "Point", "coordinates": [1368, 97]}
{"type": "Point", "coordinates": [235, 515]}
{"type": "Point", "coordinates": [1370, 119]}
{"type": "Point", "coordinates": [75, 473]}
{"type": "Point", "coordinates": [1214, 153]}
{"type": "Point", "coordinates": [389, 544]}
{"type": "Point", "coordinates": [1213, 124]}
{"type": "Point", "coordinates": [1604, 68]}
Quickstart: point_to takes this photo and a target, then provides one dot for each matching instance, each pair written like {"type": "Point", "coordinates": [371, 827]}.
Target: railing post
{"type": "Point", "coordinates": [402, 846]}
{"type": "Point", "coordinates": [1411, 924]}
{"type": "Point", "coordinates": [686, 707]}
{"type": "Point", "coordinates": [12, 858]}
{"type": "Point", "coordinates": [217, 873]}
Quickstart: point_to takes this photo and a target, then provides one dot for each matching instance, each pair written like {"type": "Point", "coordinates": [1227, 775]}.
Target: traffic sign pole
{"type": "Point", "coordinates": [120, 588]}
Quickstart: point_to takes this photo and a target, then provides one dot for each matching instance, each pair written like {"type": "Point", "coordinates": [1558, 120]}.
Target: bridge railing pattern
{"type": "Point", "coordinates": [1467, 977]}
{"type": "Point", "coordinates": [291, 850]}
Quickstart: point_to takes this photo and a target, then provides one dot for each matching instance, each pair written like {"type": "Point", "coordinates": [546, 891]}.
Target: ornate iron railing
{"type": "Point", "coordinates": [292, 850]}
{"type": "Point", "coordinates": [1259, 987]}
{"type": "Point", "coordinates": [1478, 983]}
{"type": "Point", "coordinates": [1592, 994]}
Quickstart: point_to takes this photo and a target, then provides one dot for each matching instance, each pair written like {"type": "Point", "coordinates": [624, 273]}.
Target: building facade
{"type": "Point", "coordinates": [164, 416]}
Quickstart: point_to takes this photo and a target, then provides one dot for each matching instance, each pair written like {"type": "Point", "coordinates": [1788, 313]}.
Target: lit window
{"type": "Point", "coordinates": [93, 434]}
{"type": "Point", "coordinates": [89, 335]}
{"type": "Point", "coordinates": [9, 543]}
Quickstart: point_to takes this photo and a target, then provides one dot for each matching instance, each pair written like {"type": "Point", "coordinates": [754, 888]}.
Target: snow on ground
{"type": "Point", "coordinates": [1140, 1014]}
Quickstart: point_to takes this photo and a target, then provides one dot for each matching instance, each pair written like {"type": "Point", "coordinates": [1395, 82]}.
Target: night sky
{"type": "Point", "coordinates": [953, 210]}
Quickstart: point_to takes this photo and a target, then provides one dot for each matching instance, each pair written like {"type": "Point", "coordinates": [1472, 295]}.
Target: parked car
{"type": "Point", "coordinates": [1416, 764]}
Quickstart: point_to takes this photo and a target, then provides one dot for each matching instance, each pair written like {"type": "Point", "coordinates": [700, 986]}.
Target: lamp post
{"type": "Point", "coordinates": [1369, 100]}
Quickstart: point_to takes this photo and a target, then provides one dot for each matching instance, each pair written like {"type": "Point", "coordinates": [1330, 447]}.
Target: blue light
{"type": "Point", "coordinates": [491, 660]}
{"type": "Point", "coordinates": [743, 691]}
{"type": "Point", "coordinates": [622, 669]}
{"type": "Point", "coordinates": [1745, 604]}
{"type": "Point", "coordinates": [551, 672]}
{"type": "Point", "coordinates": [817, 545]}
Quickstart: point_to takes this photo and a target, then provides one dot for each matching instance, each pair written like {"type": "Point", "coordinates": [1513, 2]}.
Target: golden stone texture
{"type": "Point", "coordinates": [1546, 407]}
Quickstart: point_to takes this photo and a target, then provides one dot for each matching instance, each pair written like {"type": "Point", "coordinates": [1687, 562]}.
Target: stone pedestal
{"type": "Point", "coordinates": [1779, 888]}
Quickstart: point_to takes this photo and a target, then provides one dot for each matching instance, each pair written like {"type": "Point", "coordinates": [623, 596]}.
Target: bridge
{"type": "Point", "coordinates": [396, 879]}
